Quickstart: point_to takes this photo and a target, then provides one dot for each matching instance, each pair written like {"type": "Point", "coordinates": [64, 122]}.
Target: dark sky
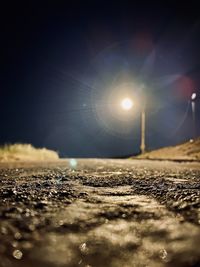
{"type": "Point", "coordinates": [65, 67]}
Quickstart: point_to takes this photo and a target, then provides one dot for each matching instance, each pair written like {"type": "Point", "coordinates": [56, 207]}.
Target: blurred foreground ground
{"type": "Point", "coordinates": [113, 213]}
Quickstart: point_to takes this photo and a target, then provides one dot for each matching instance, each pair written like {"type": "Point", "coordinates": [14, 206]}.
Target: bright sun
{"type": "Point", "coordinates": [127, 104]}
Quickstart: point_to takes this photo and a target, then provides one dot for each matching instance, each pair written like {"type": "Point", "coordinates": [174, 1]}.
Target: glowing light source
{"type": "Point", "coordinates": [194, 95]}
{"type": "Point", "coordinates": [73, 163]}
{"type": "Point", "coordinates": [127, 104]}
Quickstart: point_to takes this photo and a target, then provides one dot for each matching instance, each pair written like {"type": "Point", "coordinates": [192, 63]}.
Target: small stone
{"type": "Point", "coordinates": [18, 235]}
{"type": "Point", "coordinates": [4, 230]}
{"type": "Point", "coordinates": [15, 244]}
{"type": "Point", "coordinates": [31, 227]}
{"type": "Point", "coordinates": [14, 191]}
{"type": "Point", "coordinates": [20, 210]}
{"type": "Point", "coordinates": [83, 248]}
{"type": "Point", "coordinates": [61, 222]}
{"type": "Point", "coordinates": [164, 255]}
{"type": "Point", "coordinates": [17, 254]}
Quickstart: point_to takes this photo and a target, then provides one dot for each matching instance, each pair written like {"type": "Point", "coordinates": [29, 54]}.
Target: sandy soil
{"type": "Point", "coordinates": [189, 151]}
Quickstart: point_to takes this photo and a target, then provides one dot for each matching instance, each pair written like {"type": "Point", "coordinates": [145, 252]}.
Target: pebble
{"type": "Point", "coordinates": [83, 248]}
{"type": "Point", "coordinates": [17, 235]}
{"type": "Point", "coordinates": [17, 254]}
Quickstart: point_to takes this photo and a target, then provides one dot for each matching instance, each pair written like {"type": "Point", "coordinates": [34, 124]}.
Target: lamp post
{"type": "Point", "coordinates": [143, 124]}
{"type": "Point", "coordinates": [127, 104]}
{"type": "Point", "coordinates": [193, 99]}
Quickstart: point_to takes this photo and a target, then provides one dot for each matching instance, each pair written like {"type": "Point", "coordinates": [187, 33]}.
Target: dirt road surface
{"type": "Point", "coordinates": [96, 213]}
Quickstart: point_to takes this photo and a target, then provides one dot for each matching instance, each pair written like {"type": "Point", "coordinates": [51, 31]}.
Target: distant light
{"type": "Point", "coordinates": [194, 95]}
{"type": "Point", "coordinates": [73, 163]}
{"type": "Point", "coordinates": [127, 104]}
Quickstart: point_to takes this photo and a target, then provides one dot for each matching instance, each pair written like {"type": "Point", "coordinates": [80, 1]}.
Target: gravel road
{"type": "Point", "coordinates": [97, 212]}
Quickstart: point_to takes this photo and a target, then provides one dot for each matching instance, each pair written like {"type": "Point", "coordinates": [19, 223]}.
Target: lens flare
{"type": "Point", "coordinates": [194, 95]}
{"type": "Point", "coordinates": [73, 163]}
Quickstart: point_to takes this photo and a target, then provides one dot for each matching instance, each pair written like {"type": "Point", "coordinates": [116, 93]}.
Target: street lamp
{"type": "Point", "coordinates": [127, 104]}
{"type": "Point", "coordinates": [193, 100]}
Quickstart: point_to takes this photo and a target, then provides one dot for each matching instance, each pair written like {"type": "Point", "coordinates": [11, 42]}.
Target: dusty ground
{"type": "Point", "coordinates": [188, 151]}
{"type": "Point", "coordinates": [26, 152]}
{"type": "Point", "coordinates": [100, 213]}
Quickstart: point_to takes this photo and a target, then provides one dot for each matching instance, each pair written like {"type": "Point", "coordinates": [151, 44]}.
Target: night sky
{"type": "Point", "coordinates": [65, 67]}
